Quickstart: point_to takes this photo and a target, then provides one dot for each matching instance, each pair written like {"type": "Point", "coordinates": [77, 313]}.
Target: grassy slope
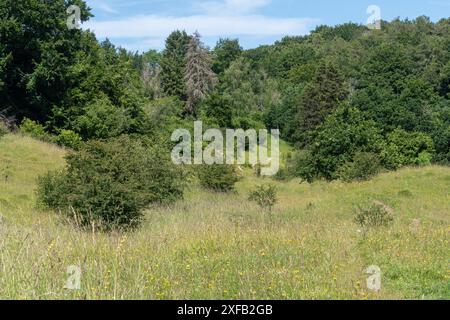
{"type": "Point", "coordinates": [222, 246]}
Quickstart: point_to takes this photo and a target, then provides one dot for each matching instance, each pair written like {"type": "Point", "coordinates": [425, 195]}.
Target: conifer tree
{"type": "Point", "coordinates": [173, 64]}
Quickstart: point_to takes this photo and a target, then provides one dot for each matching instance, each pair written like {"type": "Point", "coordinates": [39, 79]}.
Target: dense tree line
{"type": "Point", "coordinates": [393, 83]}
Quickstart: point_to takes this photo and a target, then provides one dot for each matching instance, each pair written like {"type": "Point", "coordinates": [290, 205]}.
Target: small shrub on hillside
{"type": "Point", "coordinates": [264, 196]}
{"type": "Point", "coordinates": [302, 165]}
{"type": "Point", "coordinates": [69, 139]}
{"type": "Point", "coordinates": [376, 215]}
{"type": "Point", "coordinates": [35, 130]}
{"type": "Point", "coordinates": [364, 166]}
{"type": "Point", "coordinates": [281, 175]}
{"type": "Point", "coordinates": [5, 170]}
{"type": "Point", "coordinates": [405, 193]}
{"type": "Point", "coordinates": [218, 177]}
{"type": "Point", "coordinates": [3, 129]}
{"type": "Point", "coordinates": [111, 183]}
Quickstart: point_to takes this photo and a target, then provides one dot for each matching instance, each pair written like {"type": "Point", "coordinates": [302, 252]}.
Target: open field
{"type": "Point", "coordinates": [221, 246]}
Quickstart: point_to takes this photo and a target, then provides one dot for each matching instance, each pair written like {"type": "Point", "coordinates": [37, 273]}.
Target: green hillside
{"type": "Point", "coordinates": [223, 246]}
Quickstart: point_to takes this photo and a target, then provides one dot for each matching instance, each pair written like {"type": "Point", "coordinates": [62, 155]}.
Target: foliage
{"type": "Point", "coordinates": [33, 129]}
{"type": "Point", "coordinates": [343, 134]}
{"type": "Point", "coordinates": [407, 148]}
{"type": "Point", "coordinates": [111, 183]}
{"type": "Point", "coordinates": [219, 108]}
{"type": "Point", "coordinates": [249, 93]}
{"type": "Point", "coordinates": [264, 196]}
{"type": "Point", "coordinates": [3, 129]}
{"type": "Point", "coordinates": [102, 120]}
{"type": "Point", "coordinates": [302, 165]}
{"type": "Point", "coordinates": [173, 64]}
{"type": "Point", "coordinates": [363, 166]}
{"type": "Point", "coordinates": [149, 66]}
{"type": "Point", "coordinates": [36, 51]}
{"type": "Point", "coordinates": [69, 139]}
{"type": "Point", "coordinates": [336, 93]}
{"type": "Point", "coordinates": [376, 215]}
{"type": "Point", "coordinates": [218, 177]}
{"type": "Point", "coordinates": [321, 97]}
{"type": "Point", "coordinates": [225, 53]}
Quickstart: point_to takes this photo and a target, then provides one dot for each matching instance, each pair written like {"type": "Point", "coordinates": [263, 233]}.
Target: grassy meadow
{"type": "Point", "coordinates": [221, 246]}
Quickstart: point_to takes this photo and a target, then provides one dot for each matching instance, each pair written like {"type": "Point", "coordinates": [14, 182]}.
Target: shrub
{"type": "Point", "coordinates": [69, 139]}
{"type": "Point", "coordinates": [374, 216]}
{"type": "Point", "coordinates": [103, 120]}
{"type": "Point", "coordinates": [281, 175]}
{"type": "Point", "coordinates": [407, 148]}
{"type": "Point", "coordinates": [364, 166]}
{"type": "Point", "coordinates": [218, 177]}
{"type": "Point", "coordinates": [343, 134]}
{"type": "Point", "coordinates": [3, 129]}
{"type": "Point", "coordinates": [405, 193]}
{"type": "Point", "coordinates": [110, 183]}
{"type": "Point", "coordinates": [424, 158]}
{"type": "Point", "coordinates": [35, 130]}
{"type": "Point", "coordinates": [302, 165]}
{"type": "Point", "coordinates": [264, 196]}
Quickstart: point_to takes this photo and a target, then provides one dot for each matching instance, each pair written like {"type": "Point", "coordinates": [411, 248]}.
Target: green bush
{"type": "Point", "coordinates": [3, 129]}
{"type": "Point", "coordinates": [35, 130]}
{"type": "Point", "coordinates": [344, 133]}
{"type": "Point", "coordinates": [302, 165]}
{"type": "Point", "coordinates": [102, 120]}
{"type": "Point", "coordinates": [364, 166]}
{"type": "Point", "coordinates": [281, 175]}
{"type": "Point", "coordinates": [424, 158]}
{"type": "Point", "coordinates": [264, 196]}
{"type": "Point", "coordinates": [407, 148]}
{"type": "Point", "coordinates": [376, 215]}
{"type": "Point", "coordinates": [69, 139]}
{"type": "Point", "coordinates": [218, 177]}
{"type": "Point", "coordinates": [110, 183]}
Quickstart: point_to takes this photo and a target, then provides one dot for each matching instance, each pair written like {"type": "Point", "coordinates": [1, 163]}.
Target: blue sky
{"type": "Point", "coordinates": [144, 24]}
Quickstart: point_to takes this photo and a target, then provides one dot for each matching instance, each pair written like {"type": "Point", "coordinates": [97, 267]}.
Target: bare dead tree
{"type": "Point", "coordinates": [151, 79]}
{"type": "Point", "coordinates": [199, 77]}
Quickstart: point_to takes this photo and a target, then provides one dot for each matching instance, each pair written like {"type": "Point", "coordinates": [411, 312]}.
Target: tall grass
{"type": "Point", "coordinates": [216, 246]}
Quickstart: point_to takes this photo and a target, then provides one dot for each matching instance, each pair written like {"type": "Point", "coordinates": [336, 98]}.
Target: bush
{"type": "Point", "coordinates": [343, 134]}
{"type": "Point", "coordinates": [264, 196]}
{"type": "Point", "coordinates": [424, 159]}
{"type": "Point", "coordinates": [35, 130]}
{"type": "Point", "coordinates": [218, 177]}
{"type": "Point", "coordinates": [103, 120]}
{"type": "Point", "coordinates": [302, 165]}
{"type": "Point", "coordinates": [376, 215]}
{"type": "Point", "coordinates": [281, 175]}
{"type": "Point", "coordinates": [69, 139]}
{"type": "Point", "coordinates": [3, 129]}
{"type": "Point", "coordinates": [364, 166]}
{"type": "Point", "coordinates": [111, 183]}
{"type": "Point", "coordinates": [407, 148]}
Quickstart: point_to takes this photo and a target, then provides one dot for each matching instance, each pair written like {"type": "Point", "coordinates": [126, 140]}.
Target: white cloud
{"type": "Point", "coordinates": [103, 6]}
{"type": "Point", "coordinates": [231, 6]}
{"type": "Point", "coordinates": [154, 26]}
{"type": "Point", "coordinates": [214, 19]}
